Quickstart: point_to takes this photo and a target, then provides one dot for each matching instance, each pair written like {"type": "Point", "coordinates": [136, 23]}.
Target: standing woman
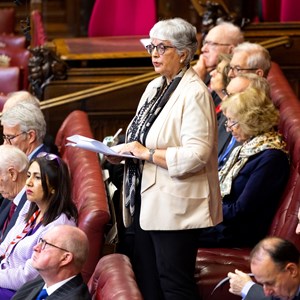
{"type": "Point", "coordinates": [49, 204]}
{"type": "Point", "coordinates": [171, 189]}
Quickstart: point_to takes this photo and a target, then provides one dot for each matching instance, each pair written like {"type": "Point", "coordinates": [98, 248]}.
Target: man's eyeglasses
{"type": "Point", "coordinates": [49, 156]}
{"type": "Point", "coordinates": [45, 243]}
{"type": "Point", "coordinates": [160, 48]}
{"type": "Point", "coordinates": [237, 69]}
{"type": "Point", "coordinates": [9, 137]}
{"type": "Point", "coordinates": [213, 44]}
{"type": "Point", "coordinates": [231, 125]}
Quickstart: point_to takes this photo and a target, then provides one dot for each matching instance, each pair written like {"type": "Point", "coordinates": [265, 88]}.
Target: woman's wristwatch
{"type": "Point", "coordinates": [151, 153]}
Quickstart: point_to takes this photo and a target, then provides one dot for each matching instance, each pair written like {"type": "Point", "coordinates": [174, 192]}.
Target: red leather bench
{"type": "Point", "coordinates": [114, 279]}
{"type": "Point", "coordinates": [88, 189]}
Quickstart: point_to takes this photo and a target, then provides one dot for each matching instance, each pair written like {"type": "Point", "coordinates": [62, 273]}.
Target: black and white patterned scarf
{"type": "Point", "coordinates": [138, 131]}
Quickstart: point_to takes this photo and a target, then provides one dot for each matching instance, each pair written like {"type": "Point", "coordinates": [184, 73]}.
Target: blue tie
{"type": "Point", "coordinates": [42, 295]}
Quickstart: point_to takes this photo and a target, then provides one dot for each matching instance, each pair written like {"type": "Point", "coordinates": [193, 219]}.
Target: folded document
{"type": "Point", "coordinates": [95, 146]}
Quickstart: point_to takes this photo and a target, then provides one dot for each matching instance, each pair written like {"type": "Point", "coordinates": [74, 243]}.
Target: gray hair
{"type": "Point", "coordinates": [258, 56]}
{"type": "Point", "coordinates": [181, 34]}
{"type": "Point", "coordinates": [15, 98]}
{"type": "Point", "coordinates": [11, 156]}
{"type": "Point", "coordinates": [28, 116]}
{"type": "Point", "coordinates": [233, 33]}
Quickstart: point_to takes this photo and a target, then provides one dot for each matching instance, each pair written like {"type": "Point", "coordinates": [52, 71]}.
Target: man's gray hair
{"type": "Point", "coordinates": [28, 116]}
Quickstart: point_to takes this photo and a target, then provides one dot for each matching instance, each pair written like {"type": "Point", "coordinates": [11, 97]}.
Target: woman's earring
{"type": "Point", "coordinates": [53, 191]}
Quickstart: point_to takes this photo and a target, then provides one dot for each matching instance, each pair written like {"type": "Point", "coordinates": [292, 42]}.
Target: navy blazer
{"type": "Point", "coordinates": [74, 289]}
{"type": "Point", "coordinates": [256, 292]}
{"type": "Point", "coordinates": [249, 208]}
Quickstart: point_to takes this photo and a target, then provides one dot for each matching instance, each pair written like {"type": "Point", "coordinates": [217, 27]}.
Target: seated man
{"type": "Point", "coordinates": [247, 58]}
{"type": "Point", "coordinates": [241, 283]}
{"type": "Point", "coordinates": [221, 39]}
{"type": "Point", "coordinates": [250, 58]}
{"type": "Point", "coordinates": [59, 258]}
{"type": "Point", "coordinates": [24, 127]}
{"type": "Point", "coordinates": [13, 174]}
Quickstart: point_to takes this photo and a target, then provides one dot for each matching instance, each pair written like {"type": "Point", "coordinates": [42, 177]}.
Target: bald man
{"type": "Point", "coordinates": [275, 265]}
{"type": "Point", "coordinates": [59, 258]}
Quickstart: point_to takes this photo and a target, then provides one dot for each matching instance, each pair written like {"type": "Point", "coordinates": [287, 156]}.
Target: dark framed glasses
{"type": "Point", "coordinates": [10, 137]}
{"type": "Point", "coordinates": [237, 69]}
{"type": "Point", "coordinates": [160, 48]}
{"type": "Point", "coordinates": [44, 243]}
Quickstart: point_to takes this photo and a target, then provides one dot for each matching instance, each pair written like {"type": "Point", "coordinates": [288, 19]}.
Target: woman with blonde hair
{"type": "Point", "coordinates": [254, 177]}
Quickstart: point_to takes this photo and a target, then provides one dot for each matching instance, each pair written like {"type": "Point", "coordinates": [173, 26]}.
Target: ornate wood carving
{"type": "Point", "coordinates": [44, 66]}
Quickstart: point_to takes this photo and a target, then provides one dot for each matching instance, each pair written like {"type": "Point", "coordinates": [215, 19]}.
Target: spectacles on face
{"type": "Point", "coordinates": [237, 69]}
{"type": "Point", "coordinates": [49, 156]}
{"type": "Point", "coordinates": [160, 48]}
{"type": "Point", "coordinates": [233, 123]}
{"type": "Point", "coordinates": [213, 44]}
{"type": "Point", "coordinates": [225, 92]}
{"type": "Point", "coordinates": [45, 243]}
{"type": "Point", "coordinates": [9, 137]}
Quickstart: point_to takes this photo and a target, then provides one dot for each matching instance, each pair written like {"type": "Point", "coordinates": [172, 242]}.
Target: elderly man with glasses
{"type": "Point", "coordinates": [59, 257]}
{"type": "Point", "coordinates": [24, 127]}
{"type": "Point", "coordinates": [250, 58]}
{"type": "Point", "coordinates": [222, 38]}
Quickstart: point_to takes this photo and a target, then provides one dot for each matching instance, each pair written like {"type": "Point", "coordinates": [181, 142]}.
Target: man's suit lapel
{"type": "Point", "coordinates": [223, 136]}
{"type": "Point", "coordinates": [4, 209]}
{"type": "Point", "coordinates": [15, 214]}
{"type": "Point", "coordinates": [67, 290]}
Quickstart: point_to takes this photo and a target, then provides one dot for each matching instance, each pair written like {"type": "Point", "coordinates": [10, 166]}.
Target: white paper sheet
{"type": "Point", "coordinates": [93, 145]}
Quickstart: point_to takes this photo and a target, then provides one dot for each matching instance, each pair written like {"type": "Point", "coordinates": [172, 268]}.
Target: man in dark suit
{"type": "Point", "coordinates": [248, 58]}
{"type": "Point", "coordinates": [275, 265]}
{"type": "Point", "coordinates": [59, 258]}
{"type": "Point", "coordinates": [13, 175]}
{"type": "Point", "coordinates": [24, 126]}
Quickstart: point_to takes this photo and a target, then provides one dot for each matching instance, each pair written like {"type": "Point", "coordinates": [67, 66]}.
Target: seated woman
{"type": "Point", "coordinates": [219, 77]}
{"type": "Point", "coordinates": [218, 82]}
{"type": "Point", "coordinates": [48, 190]}
{"type": "Point", "coordinates": [255, 175]}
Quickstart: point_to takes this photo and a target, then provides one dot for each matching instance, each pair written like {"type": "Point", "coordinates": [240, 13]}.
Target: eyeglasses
{"type": "Point", "coordinates": [8, 137]}
{"type": "Point", "coordinates": [160, 48]}
{"type": "Point", "coordinates": [225, 92]}
{"type": "Point", "coordinates": [45, 243]}
{"type": "Point", "coordinates": [232, 125]}
{"type": "Point", "coordinates": [213, 44]}
{"type": "Point", "coordinates": [237, 69]}
{"type": "Point", "coordinates": [49, 156]}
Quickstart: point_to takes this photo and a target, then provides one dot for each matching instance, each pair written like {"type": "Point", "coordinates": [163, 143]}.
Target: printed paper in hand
{"type": "Point", "coordinates": [93, 145]}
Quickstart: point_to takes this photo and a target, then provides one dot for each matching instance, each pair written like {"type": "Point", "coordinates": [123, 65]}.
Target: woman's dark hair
{"type": "Point", "coordinates": [54, 177]}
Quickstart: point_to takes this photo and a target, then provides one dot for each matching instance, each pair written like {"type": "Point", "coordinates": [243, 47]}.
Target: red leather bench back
{"type": "Point", "coordinates": [285, 220]}
{"type": "Point", "coordinates": [114, 279]}
{"type": "Point", "coordinates": [88, 188]}
{"type": "Point", "coordinates": [7, 19]}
